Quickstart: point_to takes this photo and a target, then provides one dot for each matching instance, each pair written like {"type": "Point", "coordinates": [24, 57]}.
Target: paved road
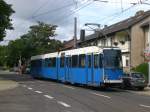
{"type": "Point", "coordinates": [47, 96]}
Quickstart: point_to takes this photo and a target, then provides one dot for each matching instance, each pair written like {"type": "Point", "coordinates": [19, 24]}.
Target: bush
{"type": "Point", "coordinates": [142, 68]}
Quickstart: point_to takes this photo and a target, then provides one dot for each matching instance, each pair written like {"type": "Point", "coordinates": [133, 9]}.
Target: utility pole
{"type": "Point", "coordinates": [121, 6]}
{"type": "Point", "coordinates": [75, 32]}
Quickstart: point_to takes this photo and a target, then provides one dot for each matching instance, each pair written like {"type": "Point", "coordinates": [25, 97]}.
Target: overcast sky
{"type": "Point", "coordinates": [62, 13]}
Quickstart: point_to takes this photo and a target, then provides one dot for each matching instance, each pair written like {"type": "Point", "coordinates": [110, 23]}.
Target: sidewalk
{"type": "Point", "coordinates": [146, 91]}
{"type": "Point", "coordinates": [6, 84]}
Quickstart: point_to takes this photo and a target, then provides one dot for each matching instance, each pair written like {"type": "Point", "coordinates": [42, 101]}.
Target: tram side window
{"type": "Point", "coordinates": [96, 61]}
{"type": "Point", "coordinates": [52, 62]}
{"type": "Point", "coordinates": [82, 60]}
{"type": "Point", "coordinates": [68, 61]}
{"type": "Point", "coordinates": [100, 60]}
{"type": "Point", "coordinates": [69, 58]}
{"type": "Point", "coordinates": [35, 63]}
{"type": "Point", "coordinates": [74, 60]}
{"type": "Point", "coordinates": [43, 63]}
{"type": "Point", "coordinates": [47, 62]}
{"type": "Point", "coordinates": [38, 63]}
{"type": "Point", "coordinates": [62, 61]}
{"type": "Point", "coordinates": [89, 61]}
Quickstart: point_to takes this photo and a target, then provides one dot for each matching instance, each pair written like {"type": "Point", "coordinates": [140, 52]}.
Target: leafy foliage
{"type": "Point", "coordinates": [5, 22]}
{"type": "Point", "coordinates": [3, 55]}
{"type": "Point", "coordinates": [36, 41]}
{"type": "Point", "coordinates": [143, 68]}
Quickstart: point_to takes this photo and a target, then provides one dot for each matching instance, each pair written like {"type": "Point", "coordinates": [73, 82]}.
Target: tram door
{"type": "Point", "coordinates": [96, 70]}
{"type": "Point", "coordinates": [93, 69]}
{"type": "Point", "coordinates": [90, 69]}
{"type": "Point", "coordinates": [68, 68]}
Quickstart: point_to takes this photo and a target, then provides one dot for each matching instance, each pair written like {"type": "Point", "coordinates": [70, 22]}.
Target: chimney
{"type": "Point", "coordinates": [82, 35]}
{"type": "Point", "coordinates": [140, 12]}
{"type": "Point", "coordinates": [105, 26]}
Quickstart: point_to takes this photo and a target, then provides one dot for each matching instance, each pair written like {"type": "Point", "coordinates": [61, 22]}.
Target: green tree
{"type": "Point", "coordinates": [15, 49]}
{"type": "Point", "coordinates": [36, 41]}
{"type": "Point", "coordinates": [39, 38]}
{"type": "Point", "coordinates": [143, 68]}
{"type": "Point", "coordinates": [3, 55]}
{"type": "Point", "coordinates": [5, 22]}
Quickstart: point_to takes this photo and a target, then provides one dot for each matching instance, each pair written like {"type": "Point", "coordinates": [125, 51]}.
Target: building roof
{"type": "Point", "coordinates": [145, 24]}
{"type": "Point", "coordinates": [122, 25]}
{"type": "Point", "coordinates": [69, 44]}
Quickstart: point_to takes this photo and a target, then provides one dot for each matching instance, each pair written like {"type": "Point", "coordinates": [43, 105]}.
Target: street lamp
{"type": "Point", "coordinates": [92, 24]}
{"type": "Point", "coordinates": [98, 25]}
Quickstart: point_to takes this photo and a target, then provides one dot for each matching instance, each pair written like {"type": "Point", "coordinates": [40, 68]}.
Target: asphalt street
{"type": "Point", "coordinates": [32, 95]}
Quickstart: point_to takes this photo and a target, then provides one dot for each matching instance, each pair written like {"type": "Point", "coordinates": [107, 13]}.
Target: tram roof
{"type": "Point", "coordinates": [43, 56]}
{"type": "Point", "coordinates": [85, 50]}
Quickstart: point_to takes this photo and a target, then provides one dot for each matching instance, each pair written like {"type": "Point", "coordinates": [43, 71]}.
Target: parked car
{"type": "Point", "coordinates": [134, 80]}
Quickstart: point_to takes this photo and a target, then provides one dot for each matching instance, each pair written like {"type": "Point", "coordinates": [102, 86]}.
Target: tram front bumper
{"type": "Point", "coordinates": [113, 83]}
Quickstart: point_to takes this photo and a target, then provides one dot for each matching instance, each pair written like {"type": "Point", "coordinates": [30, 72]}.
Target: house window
{"type": "Point", "coordinates": [111, 41]}
{"type": "Point", "coordinates": [103, 42]}
{"type": "Point", "coordinates": [127, 38]}
{"type": "Point", "coordinates": [127, 62]}
{"type": "Point", "coordinates": [95, 43]}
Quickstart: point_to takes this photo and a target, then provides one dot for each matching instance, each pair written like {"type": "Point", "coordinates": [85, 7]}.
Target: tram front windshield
{"type": "Point", "coordinates": [112, 58]}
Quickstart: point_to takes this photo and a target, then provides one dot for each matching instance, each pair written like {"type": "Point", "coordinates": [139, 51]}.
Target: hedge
{"type": "Point", "coordinates": [142, 68]}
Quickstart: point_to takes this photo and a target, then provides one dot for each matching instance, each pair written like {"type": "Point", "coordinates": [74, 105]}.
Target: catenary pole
{"type": "Point", "coordinates": [75, 32]}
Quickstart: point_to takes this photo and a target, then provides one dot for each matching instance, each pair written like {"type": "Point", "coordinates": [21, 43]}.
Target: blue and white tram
{"type": "Point", "coordinates": [90, 66]}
